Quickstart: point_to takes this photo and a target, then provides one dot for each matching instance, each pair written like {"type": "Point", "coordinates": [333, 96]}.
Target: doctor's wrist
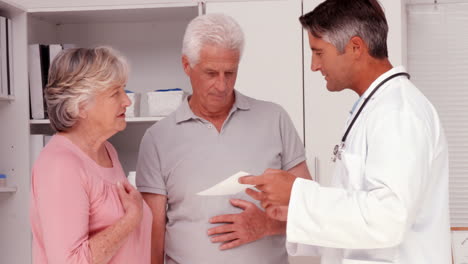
{"type": "Point", "coordinates": [275, 227]}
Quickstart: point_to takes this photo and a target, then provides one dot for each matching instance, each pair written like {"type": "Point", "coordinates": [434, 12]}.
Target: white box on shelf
{"type": "Point", "coordinates": [133, 110]}
{"type": "Point", "coordinates": [165, 101]}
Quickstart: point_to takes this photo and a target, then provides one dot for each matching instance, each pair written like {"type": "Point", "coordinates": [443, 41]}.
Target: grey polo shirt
{"type": "Point", "coordinates": [184, 154]}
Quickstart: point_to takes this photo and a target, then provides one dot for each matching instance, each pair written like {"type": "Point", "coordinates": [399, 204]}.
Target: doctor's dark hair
{"type": "Point", "coordinates": [337, 21]}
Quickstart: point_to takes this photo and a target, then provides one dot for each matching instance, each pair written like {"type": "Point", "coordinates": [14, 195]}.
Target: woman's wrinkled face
{"type": "Point", "coordinates": [106, 112]}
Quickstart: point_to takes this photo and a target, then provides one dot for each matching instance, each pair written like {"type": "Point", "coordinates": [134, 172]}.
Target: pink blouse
{"type": "Point", "coordinates": [73, 198]}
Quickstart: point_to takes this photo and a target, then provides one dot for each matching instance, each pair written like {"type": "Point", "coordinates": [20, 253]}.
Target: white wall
{"type": "Point", "coordinates": [433, 1]}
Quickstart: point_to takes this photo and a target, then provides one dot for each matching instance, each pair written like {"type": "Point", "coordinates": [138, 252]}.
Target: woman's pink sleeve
{"type": "Point", "coordinates": [59, 189]}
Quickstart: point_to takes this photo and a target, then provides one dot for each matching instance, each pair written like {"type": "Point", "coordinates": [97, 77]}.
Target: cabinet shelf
{"type": "Point", "coordinates": [141, 119]}
{"type": "Point", "coordinates": [8, 189]}
{"type": "Point", "coordinates": [7, 98]}
{"type": "Point", "coordinates": [111, 14]}
{"type": "Point", "coordinates": [144, 119]}
{"type": "Point", "coordinates": [42, 127]}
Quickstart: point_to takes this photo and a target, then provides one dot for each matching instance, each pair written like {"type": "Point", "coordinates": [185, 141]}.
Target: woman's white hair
{"type": "Point", "coordinates": [211, 29]}
{"type": "Point", "coordinates": [75, 76]}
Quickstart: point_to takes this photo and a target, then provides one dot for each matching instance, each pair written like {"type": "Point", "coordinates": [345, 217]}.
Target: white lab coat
{"type": "Point", "coordinates": [389, 200]}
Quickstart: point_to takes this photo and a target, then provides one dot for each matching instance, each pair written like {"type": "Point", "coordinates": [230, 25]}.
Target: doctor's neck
{"type": "Point", "coordinates": [368, 72]}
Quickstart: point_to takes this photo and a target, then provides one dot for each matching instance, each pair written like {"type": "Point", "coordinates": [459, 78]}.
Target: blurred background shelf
{"type": "Point", "coordinates": [134, 124]}
{"type": "Point", "coordinates": [128, 119]}
{"type": "Point", "coordinates": [8, 189]}
{"type": "Point", "coordinates": [7, 98]}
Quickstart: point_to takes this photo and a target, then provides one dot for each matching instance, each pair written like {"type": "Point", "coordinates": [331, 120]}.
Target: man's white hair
{"type": "Point", "coordinates": [211, 29]}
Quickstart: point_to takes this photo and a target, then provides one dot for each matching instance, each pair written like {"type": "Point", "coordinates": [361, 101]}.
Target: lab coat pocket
{"type": "Point", "coordinates": [353, 165]}
{"type": "Point", "coordinates": [353, 261]}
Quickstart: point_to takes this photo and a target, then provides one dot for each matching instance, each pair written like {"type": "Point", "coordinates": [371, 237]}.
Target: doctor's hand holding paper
{"type": "Point", "coordinates": [275, 191]}
{"type": "Point", "coordinates": [388, 203]}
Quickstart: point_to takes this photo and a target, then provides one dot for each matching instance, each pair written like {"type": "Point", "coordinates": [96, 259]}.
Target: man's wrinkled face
{"type": "Point", "coordinates": [213, 77]}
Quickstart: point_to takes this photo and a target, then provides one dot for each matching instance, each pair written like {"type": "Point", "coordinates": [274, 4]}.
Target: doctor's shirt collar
{"type": "Point", "coordinates": [374, 84]}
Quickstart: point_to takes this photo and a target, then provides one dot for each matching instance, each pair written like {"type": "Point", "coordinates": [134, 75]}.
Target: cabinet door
{"type": "Point", "coordinates": [326, 112]}
{"type": "Point", "coordinates": [271, 66]}
{"type": "Point", "coordinates": [15, 238]}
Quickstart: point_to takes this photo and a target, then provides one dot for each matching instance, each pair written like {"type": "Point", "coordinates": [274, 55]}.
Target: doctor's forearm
{"type": "Point", "coordinates": [375, 219]}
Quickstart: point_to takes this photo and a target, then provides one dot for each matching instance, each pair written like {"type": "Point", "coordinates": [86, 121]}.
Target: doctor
{"type": "Point", "coordinates": [389, 200]}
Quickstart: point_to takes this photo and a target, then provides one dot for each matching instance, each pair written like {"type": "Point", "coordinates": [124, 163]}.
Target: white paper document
{"type": "Point", "coordinates": [229, 186]}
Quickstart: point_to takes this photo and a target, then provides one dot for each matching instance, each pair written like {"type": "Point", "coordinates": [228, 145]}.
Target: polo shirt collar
{"type": "Point", "coordinates": [184, 113]}
{"type": "Point", "coordinates": [241, 102]}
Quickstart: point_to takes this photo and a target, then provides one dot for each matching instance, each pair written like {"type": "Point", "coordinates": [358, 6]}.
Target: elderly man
{"type": "Point", "coordinates": [389, 202]}
{"type": "Point", "coordinates": [215, 133]}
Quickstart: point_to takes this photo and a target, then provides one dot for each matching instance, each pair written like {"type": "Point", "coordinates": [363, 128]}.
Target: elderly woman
{"type": "Point", "coordinates": [83, 210]}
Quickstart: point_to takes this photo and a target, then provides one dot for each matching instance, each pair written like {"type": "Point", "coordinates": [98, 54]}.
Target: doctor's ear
{"type": "Point", "coordinates": [357, 46]}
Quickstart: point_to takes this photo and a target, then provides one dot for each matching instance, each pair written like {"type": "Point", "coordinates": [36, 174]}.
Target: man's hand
{"type": "Point", "coordinates": [275, 187]}
{"type": "Point", "coordinates": [248, 226]}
